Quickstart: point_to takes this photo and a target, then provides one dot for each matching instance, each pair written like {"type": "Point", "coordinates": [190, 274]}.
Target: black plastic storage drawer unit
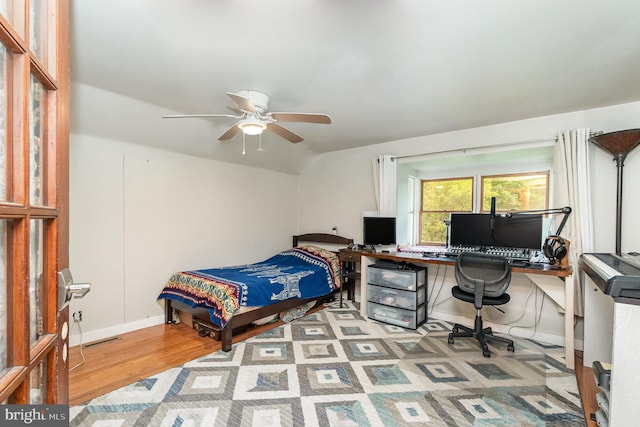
{"type": "Point", "coordinates": [397, 294]}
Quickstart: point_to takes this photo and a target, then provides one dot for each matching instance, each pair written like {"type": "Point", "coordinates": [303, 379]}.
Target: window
{"type": "Point", "coordinates": [513, 192]}
{"type": "Point", "coordinates": [411, 208]}
{"type": "Point", "coordinates": [516, 192]}
{"type": "Point", "coordinates": [440, 198]}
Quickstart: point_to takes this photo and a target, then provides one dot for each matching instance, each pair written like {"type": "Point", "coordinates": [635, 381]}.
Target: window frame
{"type": "Point", "coordinates": [477, 204]}
{"type": "Point", "coordinates": [481, 179]}
{"type": "Point", "coordinates": [422, 211]}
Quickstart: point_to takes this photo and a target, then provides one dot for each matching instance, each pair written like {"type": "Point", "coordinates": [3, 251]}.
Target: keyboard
{"type": "Point", "coordinates": [512, 254]}
{"type": "Point", "coordinates": [613, 274]}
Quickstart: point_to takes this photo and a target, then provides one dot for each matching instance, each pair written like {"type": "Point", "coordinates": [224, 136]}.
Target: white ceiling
{"type": "Point", "coordinates": [384, 70]}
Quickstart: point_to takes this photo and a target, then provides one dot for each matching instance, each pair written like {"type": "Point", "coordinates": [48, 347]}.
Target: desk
{"type": "Point", "coordinates": [557, 283]}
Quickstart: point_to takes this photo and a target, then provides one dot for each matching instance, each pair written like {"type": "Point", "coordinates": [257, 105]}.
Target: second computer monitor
{"type": "Point", "coordinates": [517, 231]}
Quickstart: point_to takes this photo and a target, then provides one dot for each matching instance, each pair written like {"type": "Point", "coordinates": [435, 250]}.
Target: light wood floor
{"type": "Point", "coordinates": [137, 355]}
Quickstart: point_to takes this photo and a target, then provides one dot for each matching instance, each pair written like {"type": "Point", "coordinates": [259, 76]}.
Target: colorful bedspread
{"type": "Point", "coordinates": [302, 272]}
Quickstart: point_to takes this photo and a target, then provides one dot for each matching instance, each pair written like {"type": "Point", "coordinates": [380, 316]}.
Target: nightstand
{"type": "Point", "coordinates": [349, 260]}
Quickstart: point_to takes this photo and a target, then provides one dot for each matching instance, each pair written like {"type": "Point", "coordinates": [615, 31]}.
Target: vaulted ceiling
{"type": "Point", "coordinates": [383, 70]}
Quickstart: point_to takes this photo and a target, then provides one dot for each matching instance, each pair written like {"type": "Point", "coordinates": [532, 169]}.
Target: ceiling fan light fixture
{"type": "Point", "coordinates": [251, 108]}
{"type": "Point", "coordinates": [251, 126]}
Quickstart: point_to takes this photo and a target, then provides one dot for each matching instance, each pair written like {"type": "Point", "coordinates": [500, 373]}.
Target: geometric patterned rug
{"type": "Point", "coordinates": [335, 368]}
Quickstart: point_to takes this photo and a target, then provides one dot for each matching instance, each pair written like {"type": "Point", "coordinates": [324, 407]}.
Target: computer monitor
{"type": "Point", "coordinates": [378, 230]}
{"type": "Point", "coordinates": [517, 231]}
{"type": "Point", "coordinates": [470, 229]}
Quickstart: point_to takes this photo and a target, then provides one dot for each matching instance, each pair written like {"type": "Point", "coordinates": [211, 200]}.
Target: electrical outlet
{"type": "Point", "coordinates": [77, 316]}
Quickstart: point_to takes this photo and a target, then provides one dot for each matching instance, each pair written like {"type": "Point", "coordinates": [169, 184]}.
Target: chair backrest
{"type": "Point", "coordinates": [492, 271]}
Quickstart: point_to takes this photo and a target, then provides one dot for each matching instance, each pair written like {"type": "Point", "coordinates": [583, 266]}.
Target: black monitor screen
{"type": "Point", "coordinates": [470, 229]}
{"type": "Point", "coordinates": [379, 230]}
{"type": "Point", "coordinates": [517, 231]}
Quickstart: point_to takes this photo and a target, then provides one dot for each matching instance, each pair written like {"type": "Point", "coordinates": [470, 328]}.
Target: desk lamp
{"type": "Point", "coordinates": [619, 144]}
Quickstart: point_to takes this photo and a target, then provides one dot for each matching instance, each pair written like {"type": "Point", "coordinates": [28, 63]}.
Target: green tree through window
{"type": "Point", "coordinates": [439, 199]}
{"type": "Point", "coordinates": [516, 192]}
{"type": "Point", "coordinates": [513, 192]}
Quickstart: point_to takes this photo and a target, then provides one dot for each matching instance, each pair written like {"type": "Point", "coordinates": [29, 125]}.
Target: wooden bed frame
{"type": "Point", "coordinates": [247, 317]}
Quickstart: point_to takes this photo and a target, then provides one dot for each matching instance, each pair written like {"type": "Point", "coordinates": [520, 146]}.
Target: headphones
{"type": "Point", "coordinates": [554, 248]}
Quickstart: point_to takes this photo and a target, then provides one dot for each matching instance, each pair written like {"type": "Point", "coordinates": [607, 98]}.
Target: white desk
{"type": "Point", "coordinates": [556, 283]}
{"type": "Point", "coordinates": [612, 335]}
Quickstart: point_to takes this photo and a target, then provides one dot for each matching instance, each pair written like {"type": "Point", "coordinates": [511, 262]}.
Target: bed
{"type": "Point", "coordinates": [223, 299]}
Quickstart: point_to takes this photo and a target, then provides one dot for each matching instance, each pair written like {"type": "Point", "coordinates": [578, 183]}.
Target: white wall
{"type": "Point", "coordinates": [138, 214]}
{"type": "Point", "coordinates": [340, 196]}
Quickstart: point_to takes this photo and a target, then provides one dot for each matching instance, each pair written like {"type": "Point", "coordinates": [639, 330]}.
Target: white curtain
{"type": "Point", "coordinates": [573, 188]}
{"type": "Point", "coordinates": [385, 179]}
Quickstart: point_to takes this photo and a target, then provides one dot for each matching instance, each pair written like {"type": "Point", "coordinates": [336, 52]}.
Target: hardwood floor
{"type": "Point", "coordinates": [139, 354]}
{"type": "Point", "coordinates": [136, 355]}
{"type": "Point", "coordinates": [588, 390]}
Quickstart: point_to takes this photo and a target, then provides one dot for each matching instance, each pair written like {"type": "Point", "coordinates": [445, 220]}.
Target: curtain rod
{"type": "Point", "coordinates": [553, 139]}
{"type": "Point", "coordinates": [464, 150]}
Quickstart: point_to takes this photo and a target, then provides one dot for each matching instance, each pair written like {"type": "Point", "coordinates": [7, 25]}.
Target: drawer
{"type": "Point", "coordinates": [410, 319]}
{"type": "Point", "coordinates": [409, 279]}
{"type": "Point", "coordinates": [350, 256]}
{"type": "Point", "coordinates": [409, 300]}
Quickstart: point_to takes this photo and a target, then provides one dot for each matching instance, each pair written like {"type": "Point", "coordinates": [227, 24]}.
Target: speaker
{"type": "Point", "coordinates": [554, 248]}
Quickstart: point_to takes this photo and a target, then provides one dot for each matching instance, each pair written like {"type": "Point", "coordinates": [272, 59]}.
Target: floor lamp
{"type": "Point", "coordinates": [619, 144]}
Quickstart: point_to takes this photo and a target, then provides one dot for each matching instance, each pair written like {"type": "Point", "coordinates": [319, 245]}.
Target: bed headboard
{"type": "Point", "coordinates": [321, 238]}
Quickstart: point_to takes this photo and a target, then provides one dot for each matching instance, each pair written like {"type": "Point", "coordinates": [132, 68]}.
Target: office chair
{"type": "Point", "coordinates": [482, 280]}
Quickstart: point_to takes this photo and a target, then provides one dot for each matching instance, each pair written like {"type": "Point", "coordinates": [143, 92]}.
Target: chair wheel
{"type": "Point", "coordinates": [455, 330]}
{"type": "Point", "coordinates": [511, 348]}
{"type": "Point", "coordinates": [486, 353]}
{"type": "Point", "coordinates": [450, 340]}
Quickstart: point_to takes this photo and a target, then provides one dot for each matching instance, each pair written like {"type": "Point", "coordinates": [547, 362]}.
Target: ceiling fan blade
{"type": "Point", "coordinates": [302, 117]}
{"type": "Point", "coordinates": [243, 103]}
{"type": "Point", "coordinates": [284, 132]}
{"type": "Point", "coordinates": [230, 133]}
{"type": "Point", "coordinates": [182, 116]}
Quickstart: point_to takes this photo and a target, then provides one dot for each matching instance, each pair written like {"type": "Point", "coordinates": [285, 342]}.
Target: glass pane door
{"type": "Point", "coordinates": [36, 153]}
{"type": "Point", "coordinates": [4, 154]}
{"type": "Point", "coordinates": [34, 88]}
{"type": "Point", "coordinates": [36, 291]}
{"type": "Point", "coordinates": [4, 338]}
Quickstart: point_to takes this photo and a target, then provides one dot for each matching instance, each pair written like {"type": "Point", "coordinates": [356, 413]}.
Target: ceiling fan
{"type": "Point", "coordinates": [253, 117]}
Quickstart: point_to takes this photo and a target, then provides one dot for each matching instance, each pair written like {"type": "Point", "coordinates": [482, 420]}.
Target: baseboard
{"type": "Point", "coordinates": [112, 331]}
{"type": "Point", "coordinates": [503, 329]}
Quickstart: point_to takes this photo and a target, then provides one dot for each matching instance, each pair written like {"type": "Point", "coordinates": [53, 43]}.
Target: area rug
{"type": "Point", "coordinates": [336, 368]}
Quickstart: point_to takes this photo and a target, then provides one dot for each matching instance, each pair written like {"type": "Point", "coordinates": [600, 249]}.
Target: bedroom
{"type": "Point", "coordinates": [144, 178]}
{"type": "Point", "coordinates": [139, 212]}
{"type": "Point", "coordinates": [147, 187]}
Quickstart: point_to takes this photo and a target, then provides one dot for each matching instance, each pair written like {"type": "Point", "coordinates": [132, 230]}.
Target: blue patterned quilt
{"type": "Point", "coordinates": [302, 272]}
